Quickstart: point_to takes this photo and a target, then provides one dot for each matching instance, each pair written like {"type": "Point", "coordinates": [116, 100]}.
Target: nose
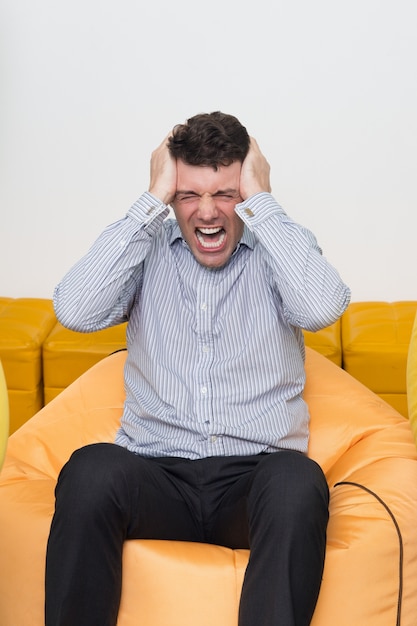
{"type": "Point", "coordinates": [207, 209]}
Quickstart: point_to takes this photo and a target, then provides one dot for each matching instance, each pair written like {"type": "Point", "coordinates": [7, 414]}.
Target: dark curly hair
{"type": "Point", "coordinates": [210, 139]}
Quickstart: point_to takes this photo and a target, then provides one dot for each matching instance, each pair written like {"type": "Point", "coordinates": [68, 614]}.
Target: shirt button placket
{"type": "Point", "coordinates": [204, 338]}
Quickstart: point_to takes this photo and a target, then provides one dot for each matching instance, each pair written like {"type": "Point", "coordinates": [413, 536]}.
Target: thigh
{"type": "Point", "coordinates": [288, 489]}
{"type": "Point", "coordinates": [151, 497]}
{"type": "Point", "coordinates": [284, 485]}
{"type": "Point", "coordinates": [287, 477]}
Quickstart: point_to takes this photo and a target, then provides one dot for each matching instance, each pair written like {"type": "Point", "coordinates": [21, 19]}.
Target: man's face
{"type": "Point", "coordinates": [204, 207]}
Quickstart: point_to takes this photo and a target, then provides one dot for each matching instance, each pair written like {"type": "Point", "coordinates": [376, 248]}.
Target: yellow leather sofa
{"type": "Point", "coordinates": [41, 358]}
{"type": "Point", "coordinates": [370, 342]}
{"type": "Point", "coordinates": [369, 457]}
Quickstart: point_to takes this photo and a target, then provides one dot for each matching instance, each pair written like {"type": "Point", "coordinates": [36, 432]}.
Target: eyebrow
{"type": "Point", "coordinates": [217, 193]}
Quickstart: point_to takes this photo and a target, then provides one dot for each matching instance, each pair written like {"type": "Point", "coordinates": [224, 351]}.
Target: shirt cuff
{"type": "Point", "coordinates": [149, 211]}
{"type": "Point", "coordinates": [257, 208]}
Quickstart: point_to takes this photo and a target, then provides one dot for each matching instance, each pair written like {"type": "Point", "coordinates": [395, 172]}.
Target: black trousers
{"type": "Point", "coordinates": [275, 504]}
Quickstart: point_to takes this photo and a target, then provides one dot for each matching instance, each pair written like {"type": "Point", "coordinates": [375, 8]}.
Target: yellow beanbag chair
{"type": "Point", "coordinates": [4, 416]}
{"type": "Point", "coordinates": [368, 454]}
{"type": "Point", "coordinates": [412, 380]}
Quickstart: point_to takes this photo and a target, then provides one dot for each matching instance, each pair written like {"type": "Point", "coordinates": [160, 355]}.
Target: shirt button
{"type": "Point", "coordinates": [204, 306]}
{"type": "Point", "coordinates": [213, 439]}
{"type": "Point", "coordinates": [206, 348]}
{"type": "Point", "coordinates": [203, 390]}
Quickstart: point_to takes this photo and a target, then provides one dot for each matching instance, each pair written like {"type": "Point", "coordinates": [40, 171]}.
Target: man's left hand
{"type": "Point", "coordinates": [254, 175]}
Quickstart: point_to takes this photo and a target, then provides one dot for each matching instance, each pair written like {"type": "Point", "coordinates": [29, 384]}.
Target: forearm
{"type": "Point", "coordinates": [98, 291]}
{"type": "Point", "coordinates": [312, 291]}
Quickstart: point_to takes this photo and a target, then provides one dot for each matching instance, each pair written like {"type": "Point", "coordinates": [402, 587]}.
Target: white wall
{"type": "Point", "coordinates": [89, 87]}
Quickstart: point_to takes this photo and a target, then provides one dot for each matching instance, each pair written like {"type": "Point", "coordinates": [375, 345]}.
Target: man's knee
{"type": "Point", "coordinates": [290, 481]}
{"type": "Point", "coordinates": [91, 474]}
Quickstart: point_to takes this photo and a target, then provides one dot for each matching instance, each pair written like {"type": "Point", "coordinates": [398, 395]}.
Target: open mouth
{"type": "Point", "coordinates": [210, 238]}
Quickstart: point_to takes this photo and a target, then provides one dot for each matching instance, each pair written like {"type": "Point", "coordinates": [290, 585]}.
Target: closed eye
{"type": "Point", "coordinates": [184, 197]}
{"type": "Point", "coordinates": [227, 195]}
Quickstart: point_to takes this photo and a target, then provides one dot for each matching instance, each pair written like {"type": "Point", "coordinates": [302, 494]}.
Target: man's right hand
{"type": "Point", "coordinates": [163, 178]}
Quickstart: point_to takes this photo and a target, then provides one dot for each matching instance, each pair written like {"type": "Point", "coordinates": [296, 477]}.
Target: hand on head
{"type": "Point", "coordinates": [163, 177]}
{"type": "Point", "coordinates": [254, 176]}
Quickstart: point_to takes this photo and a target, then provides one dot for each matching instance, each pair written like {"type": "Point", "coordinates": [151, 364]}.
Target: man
{"type": "Point", "coordinates": [213, 438]}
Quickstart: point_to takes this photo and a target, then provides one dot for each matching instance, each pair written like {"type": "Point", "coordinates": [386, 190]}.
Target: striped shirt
{"type": "Point", "coordinates": [215, 361]}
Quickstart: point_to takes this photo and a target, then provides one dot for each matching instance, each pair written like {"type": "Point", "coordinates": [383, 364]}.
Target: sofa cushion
{"type": "Point", "coordinates": [375, 339]}
{"type": "Point", "coordinates": [68, 354]}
